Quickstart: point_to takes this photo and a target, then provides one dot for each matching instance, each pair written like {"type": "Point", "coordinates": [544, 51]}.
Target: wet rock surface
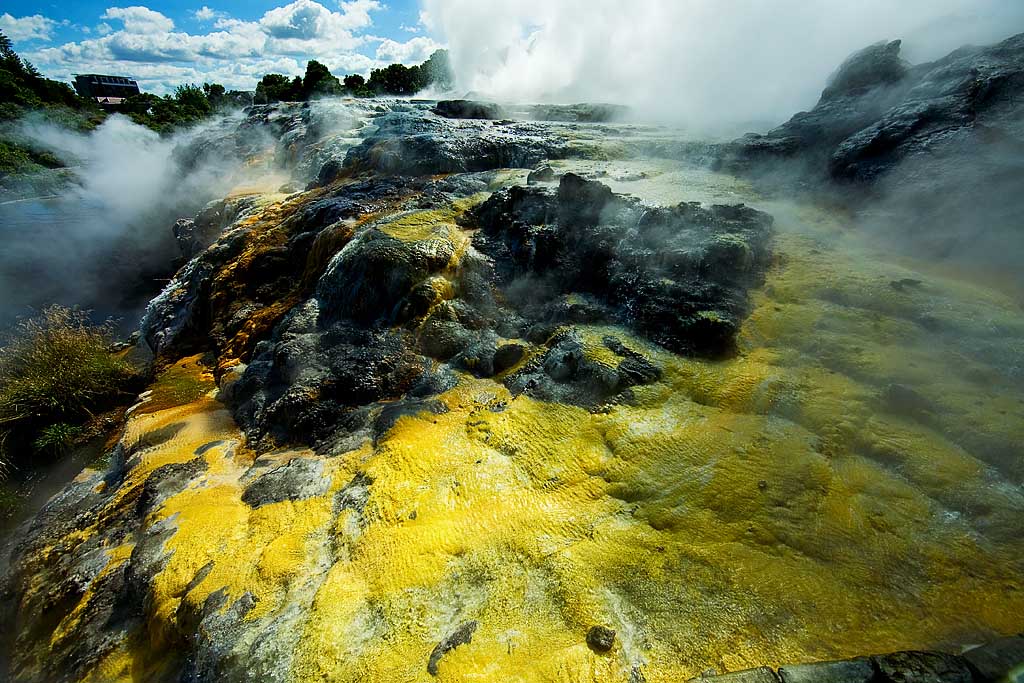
{"type": "Point", "coordinates": [530, 409]}
{"type": "Point", "coordinates": [414, 289]}
{"type": "Point", "coordinates": [677, 275]}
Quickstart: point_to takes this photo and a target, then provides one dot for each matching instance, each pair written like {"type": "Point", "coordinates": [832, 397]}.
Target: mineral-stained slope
{"type": "Point", "coordinates": [458, 427]}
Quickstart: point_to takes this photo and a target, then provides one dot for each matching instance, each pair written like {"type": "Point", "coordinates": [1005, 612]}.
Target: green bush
{"type": "Point", "coordinates": [55, 371]}
{"type": "Point", "coordinates": [57, 438]}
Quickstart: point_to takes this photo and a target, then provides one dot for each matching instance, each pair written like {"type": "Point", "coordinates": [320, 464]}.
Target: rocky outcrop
{"type": "Point", "coordinates": [468, 109]}
{"type": "Point", "coordinates": [413, 290]}
{"type": "Point", "coordinates": [877, 112]}
{"type": "Point", "coordinates": [411, 144]}
{"type": "Point", "coordinates": [677, 275]}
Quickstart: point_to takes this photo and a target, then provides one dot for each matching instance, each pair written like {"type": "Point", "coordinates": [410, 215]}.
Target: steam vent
{"type": "Point", "coordinates": [466, 391]}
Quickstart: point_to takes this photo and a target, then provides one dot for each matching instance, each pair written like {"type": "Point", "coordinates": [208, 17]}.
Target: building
{"type": "Point", "coordinates": [106, 90]}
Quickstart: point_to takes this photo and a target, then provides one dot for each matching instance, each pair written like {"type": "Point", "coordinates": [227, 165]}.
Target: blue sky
{"type": "Point", "coordinates": [165, 43]}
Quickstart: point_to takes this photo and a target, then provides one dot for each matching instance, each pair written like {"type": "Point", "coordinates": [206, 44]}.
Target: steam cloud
{"type": "Point", "coordinates": [709, 65]}
{"type": "Point", "coordinates": [104, 243]}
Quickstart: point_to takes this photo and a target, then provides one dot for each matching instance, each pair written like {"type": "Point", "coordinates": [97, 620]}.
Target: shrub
{"type": "Point", "coordinates": [55, 371]}
{"type": "Point", "coordinates": [56, 438]}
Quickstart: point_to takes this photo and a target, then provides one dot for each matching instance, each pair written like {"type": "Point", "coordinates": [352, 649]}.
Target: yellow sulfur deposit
{"type": "Point", "coordinates": [779, 506]}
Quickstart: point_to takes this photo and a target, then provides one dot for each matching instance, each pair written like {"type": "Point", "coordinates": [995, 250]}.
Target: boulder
{"type": "Point", "coordinates": [469, 109]}
{"type": "Point", "coordinates": [541, 174]}
{"type": "Point", "coordinates": [678, 275]}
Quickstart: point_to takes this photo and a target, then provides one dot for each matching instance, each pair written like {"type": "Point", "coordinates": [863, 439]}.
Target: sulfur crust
{"type": "Point", "coordinates": [758, 510]}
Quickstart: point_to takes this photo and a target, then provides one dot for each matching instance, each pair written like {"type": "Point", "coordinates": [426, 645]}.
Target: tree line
{"type": "Point", "coordinates": [394, 79]}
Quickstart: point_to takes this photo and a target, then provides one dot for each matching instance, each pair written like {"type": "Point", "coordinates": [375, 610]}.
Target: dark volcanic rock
{"type": "Point", "coordinates": [461, 636]}
{"type": "Point", "coordinates": [678, 275]}
{"type": "Point", "coordinates": [845, 671]}
{"type": "Point", "coordinates": [996, 660]}
{"type": "Point", "coordinates": [405, 294]}
{"type": "Point", "coordinates": [565, 374]}
{"type": "Point", "coordinates": [936, 149]}
{"type": "Point", "coordinates": [877, 111]}
{"type": "Point", "coordinates": [874, 66]}
{"type": "Point", "coordinates": [411, 144]}
{"type": "Point", "coordinates": [301, 478]}
{"type": "Point", "coordinates": [368, 281]}
{"type": "Point", "coordinates": [917, 667]}
{"type": "Point", "coordinates": [601, 638]}
{"type": "Point", "coordinates": [468, 109]}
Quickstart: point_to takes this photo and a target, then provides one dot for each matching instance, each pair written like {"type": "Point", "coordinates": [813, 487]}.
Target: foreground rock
{"type": "Point", "coordinates": [413, 290]}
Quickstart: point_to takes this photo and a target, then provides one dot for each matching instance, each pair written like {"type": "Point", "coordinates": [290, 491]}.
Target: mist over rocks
{"type": "Point", "coordinates": [413, 409]}
{"type": "Point", "coordinates": [677, 275]}
{"type": "Point", "coordinates": [937, 148]}
{"type": "Point", "coordinates": [878, 111]}
{"type": "Point", "coordinates": [407, 143]}
{"type": "Point", "coordinates": [411, 290]}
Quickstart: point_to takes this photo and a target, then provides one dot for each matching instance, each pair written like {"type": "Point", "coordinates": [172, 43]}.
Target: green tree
{"type": "Point", "coordinates": [272, 88]}
{"type": "Point", "coordinates": [319, 82]}
{"type": "Point", "coordinates": [396, 79]}
{"type": "Point", "coordinates": [354, 82]}
{"type": "Point", "coordinates": [215, 95]}
{"type": "Point", "coordinates": [192, 99]}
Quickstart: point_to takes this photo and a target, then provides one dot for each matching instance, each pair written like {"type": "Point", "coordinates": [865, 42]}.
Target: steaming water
{"type": "Point", "coordinates": [48, 260]}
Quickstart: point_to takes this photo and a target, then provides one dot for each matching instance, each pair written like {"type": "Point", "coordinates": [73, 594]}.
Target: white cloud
{"type": "Point", "coordinates": [35, 27]}
{"type": "Point", "coordinates": [233, 52]}
{"type": "Point", "coordinates": [413, 51]}
{"type": "Point", "coordinates": [409, 29]}
{"type": "Point", "coordinates": [205, 13]}
{"type": "Point", "coordinates": [139, 19]}
{"type": "Point", "coordinates": [304, 26]}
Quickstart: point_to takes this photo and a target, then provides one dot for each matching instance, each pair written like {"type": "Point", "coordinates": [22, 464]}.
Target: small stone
{"type": "Point", "coordinates": [461, 636]}
{"type": "Point", "coordinates": [601, 638]}
{"type": "Point", "coordinates": [919, 667]}
{"type": "Point", "coordinates": [544, 174]}
{"type": "Point", "coordinates": [998, 660]}
{"type": "Point", "coordinates": [845, 671]}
